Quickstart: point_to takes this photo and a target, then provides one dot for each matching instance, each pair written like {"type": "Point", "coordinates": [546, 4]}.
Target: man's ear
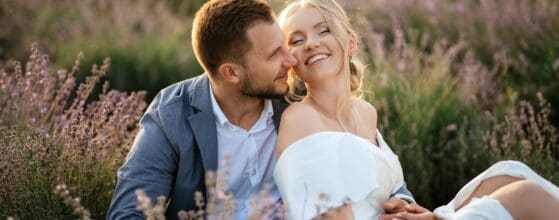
{"type": "Point", "coordinates": [352, 45]}
{"type": "Point", "coordinates": [229, 72]}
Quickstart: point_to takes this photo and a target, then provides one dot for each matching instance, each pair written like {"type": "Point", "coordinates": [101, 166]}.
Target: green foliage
{"type": "Point", "coordinates": [426, 120]}
{"type": "Point", "coordinates": [432, 113]}
{"type": "Point", "coordinates": [520, 36]}
{"type": "Point", "coordinates": [436, 136]}
{"type": "Point", "coordinates": [184, 8]}
{"type": "Point", "coordinates": [151, 64]}
{"type": "Point", "coordinates": [148, 43]}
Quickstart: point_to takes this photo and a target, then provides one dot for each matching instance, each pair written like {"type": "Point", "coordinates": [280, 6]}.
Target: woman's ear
{"type": "Point", "coordinates": [352, 45]}
{"type": "Point", "coordinates": [229, 72]}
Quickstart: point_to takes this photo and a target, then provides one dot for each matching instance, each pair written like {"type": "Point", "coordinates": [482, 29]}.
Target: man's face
{"type": "Point", "coordinates": [266, 64]}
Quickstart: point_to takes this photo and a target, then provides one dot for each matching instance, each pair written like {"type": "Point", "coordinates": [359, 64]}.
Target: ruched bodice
{"type": "Point", "coordinates": [326, 169]}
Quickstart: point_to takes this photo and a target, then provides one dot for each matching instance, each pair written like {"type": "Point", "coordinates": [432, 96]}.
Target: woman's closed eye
{"type": "Point", "coordinates": [298, 40]}
{"type": "Point", "coordinates": [295, 41]}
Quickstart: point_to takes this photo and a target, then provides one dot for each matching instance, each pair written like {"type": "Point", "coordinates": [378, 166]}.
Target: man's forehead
{"type": "Point", "coordinates": [264, 36]}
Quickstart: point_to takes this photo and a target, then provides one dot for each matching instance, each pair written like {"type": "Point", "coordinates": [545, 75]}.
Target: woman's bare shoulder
{"type": "Point", "coordinates": [367, 114]}
{"type": "Point", "coordinates": [297, 121]}
{"type": "Point", "coordinates": [298, 110]}
{"type": "Point", "coordinates": [365, 108]}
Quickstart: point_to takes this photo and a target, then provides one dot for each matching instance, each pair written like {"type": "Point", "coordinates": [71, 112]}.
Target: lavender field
{"type": "Point", "coordinates": [458, 85]}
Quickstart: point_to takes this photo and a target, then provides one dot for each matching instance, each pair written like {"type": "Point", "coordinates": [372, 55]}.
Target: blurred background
{"type": "Point", "coordinates": [458, 84]}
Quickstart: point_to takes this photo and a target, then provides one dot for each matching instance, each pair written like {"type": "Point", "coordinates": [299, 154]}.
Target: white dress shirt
{"type": "Point", "coordinates": [246, 158]}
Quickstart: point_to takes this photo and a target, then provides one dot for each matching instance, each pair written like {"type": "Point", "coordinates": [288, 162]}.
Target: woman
{"type": "Point", "coordinates": [342, 124]}
{"type": "Point", "coordinates": [332, 155]}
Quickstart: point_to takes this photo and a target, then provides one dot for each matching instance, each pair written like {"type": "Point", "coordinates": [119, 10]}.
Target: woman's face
{"type": "Point", "coordinates": [318, 53]}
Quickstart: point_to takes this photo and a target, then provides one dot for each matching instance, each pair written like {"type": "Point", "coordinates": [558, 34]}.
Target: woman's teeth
{"type": "Point", "coordinates": [316, 58]}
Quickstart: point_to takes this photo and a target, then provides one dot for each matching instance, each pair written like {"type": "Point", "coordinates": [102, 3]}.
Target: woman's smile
{"type": "Point", "coordinates": [318, 58]}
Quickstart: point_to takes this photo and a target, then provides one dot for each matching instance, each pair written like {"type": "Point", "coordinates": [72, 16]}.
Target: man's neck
{"type": "Point", "coordinates": [240, 110]}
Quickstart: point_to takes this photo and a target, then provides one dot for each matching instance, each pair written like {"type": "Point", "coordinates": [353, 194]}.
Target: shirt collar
{"type": "Point", "coordinates": [267, 112]}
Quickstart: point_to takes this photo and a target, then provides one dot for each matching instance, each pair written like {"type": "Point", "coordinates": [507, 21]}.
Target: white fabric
{"type": "Point", "coordinates": [487, 208]}
{"type": "Point", "coordinates": [484, 208]}
{"type": "Point", "coordinates": [341, 165]}
{"type": "Point", "coordinates": [346, 167]}
{"type": "Point", "coordinates": [249, 157]}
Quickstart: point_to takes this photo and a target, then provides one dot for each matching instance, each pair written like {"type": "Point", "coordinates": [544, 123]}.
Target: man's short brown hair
{"type": "Point", "coordinates": [219, 30]}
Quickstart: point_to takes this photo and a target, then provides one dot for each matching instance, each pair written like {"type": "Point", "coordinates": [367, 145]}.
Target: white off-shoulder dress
{"type": "Point", "coordinates": [487, 208]}
{"type": "Point", "coordinates": [326, 169]}
{"type": "Point", "coordinates": [329, 169]}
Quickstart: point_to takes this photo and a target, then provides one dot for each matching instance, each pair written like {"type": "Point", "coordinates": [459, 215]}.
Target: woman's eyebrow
{"type": "Point", "coordinates": [319, 24]}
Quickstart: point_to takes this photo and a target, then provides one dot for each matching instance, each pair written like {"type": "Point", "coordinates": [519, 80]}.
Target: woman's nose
{"type": "Point", "coordinates": [312, 43]}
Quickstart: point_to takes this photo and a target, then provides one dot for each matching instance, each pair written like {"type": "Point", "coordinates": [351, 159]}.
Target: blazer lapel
{"type": "Point", "coordinates": [278, 105]}
{"type": "Point", "coordinates": [203, 123]}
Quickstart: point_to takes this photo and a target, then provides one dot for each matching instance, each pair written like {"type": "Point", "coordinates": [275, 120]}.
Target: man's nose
{"type": "Point", "coordinates": [289, 60]}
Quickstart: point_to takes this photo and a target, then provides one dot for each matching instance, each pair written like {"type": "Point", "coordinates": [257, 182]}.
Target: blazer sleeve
{"type": "Point", "coordinates": [150, 165]}
{"type": "Point", "coordinates": [404, 193]}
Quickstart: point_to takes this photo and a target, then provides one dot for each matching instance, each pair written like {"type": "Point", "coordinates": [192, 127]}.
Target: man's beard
{"type": "Point", "coordinates": [263, 91]}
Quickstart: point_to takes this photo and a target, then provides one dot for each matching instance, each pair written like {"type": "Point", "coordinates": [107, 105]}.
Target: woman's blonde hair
{"type": "Point", "coordinates": [340, 27]}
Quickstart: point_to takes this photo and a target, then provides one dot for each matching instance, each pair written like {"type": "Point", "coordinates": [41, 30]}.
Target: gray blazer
{"type": "Point", "coordinates": [175, 147]}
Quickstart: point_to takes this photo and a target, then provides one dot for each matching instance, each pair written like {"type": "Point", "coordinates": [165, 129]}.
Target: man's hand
{"type": "Point", "coordinates": [392, 206]}
{"type": "Point", "coordinates": [411, 212]}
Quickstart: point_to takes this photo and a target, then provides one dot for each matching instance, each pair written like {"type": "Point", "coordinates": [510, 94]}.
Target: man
{"type": "Point", "coordinates": [229, 114]}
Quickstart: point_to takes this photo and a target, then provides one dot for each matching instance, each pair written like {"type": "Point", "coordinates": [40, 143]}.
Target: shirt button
{"type": "Point", "coordinates": [253, 172]}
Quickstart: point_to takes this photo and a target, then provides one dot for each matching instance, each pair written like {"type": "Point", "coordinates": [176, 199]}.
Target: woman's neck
{"type": "Point", "coordinates": [329, 95]}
